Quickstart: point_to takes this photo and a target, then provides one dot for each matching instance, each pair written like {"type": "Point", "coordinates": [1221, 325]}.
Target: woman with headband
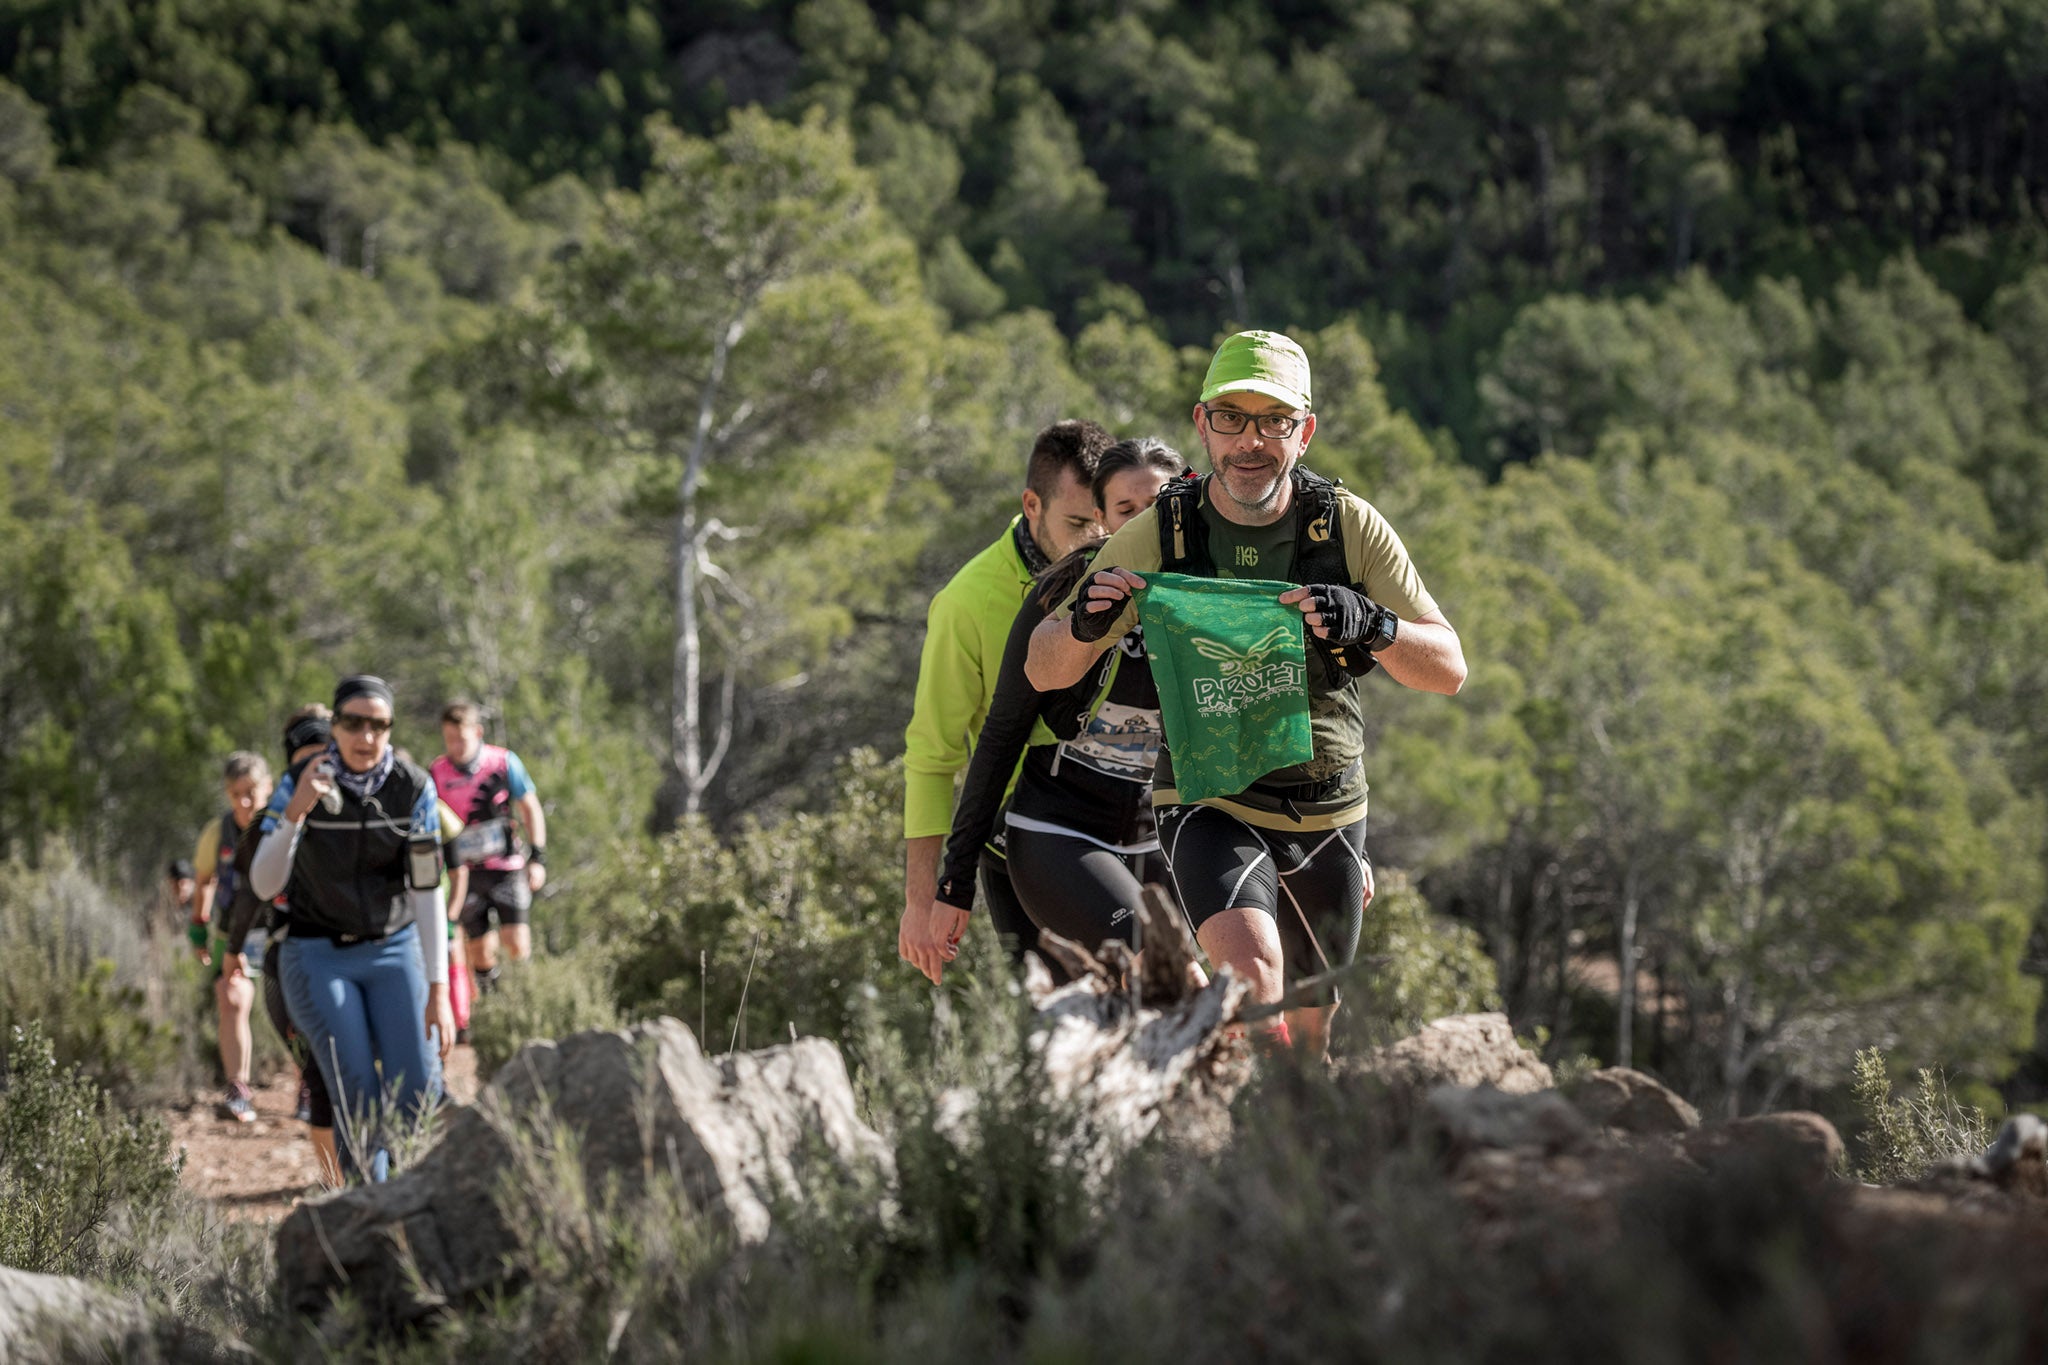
{"type": "Point", "coordinates": [365, 969]}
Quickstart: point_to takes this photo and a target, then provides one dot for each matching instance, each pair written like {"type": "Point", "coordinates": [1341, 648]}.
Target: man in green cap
{"type": "Point", "coordinates": [1274, 878]}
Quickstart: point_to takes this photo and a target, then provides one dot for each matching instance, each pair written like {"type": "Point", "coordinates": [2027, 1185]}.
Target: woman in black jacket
{"type": "Point", "coordinates": [1080, 818]}
{"type": "Point", "coordinates": [365, 967]}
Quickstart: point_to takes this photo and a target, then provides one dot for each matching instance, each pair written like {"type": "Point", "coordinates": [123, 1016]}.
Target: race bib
{"type": "Point", "coordinates": [481, 841]}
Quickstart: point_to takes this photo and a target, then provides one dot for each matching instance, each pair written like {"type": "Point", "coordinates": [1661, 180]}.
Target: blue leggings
{"type": "Point", "coordinates": [362, 1009]}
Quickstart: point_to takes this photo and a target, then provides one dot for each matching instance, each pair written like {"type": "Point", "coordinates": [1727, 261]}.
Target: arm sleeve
{"type": "Point", "coordinates": [429, 910]}
{"type": "Point", "coordinates": [272, 867]}
{"type": "Point", "coordinates": [517, 782]}
{"type": "Point", "coordinates": [942, 721]}
{"type": "Point", "coordinates": [1135, 546]}
{"type": "Point", "coordinates": [430, 913]}
{"type": "Point", "coordinates": [1004, 737]}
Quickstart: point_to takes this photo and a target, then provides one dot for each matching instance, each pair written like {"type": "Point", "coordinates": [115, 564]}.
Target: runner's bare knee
{"type": "Point", "coordinates": [1245, 937]}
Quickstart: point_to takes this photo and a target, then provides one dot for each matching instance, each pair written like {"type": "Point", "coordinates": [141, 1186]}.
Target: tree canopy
{"type": "Point", "coordinates": [642, 370]}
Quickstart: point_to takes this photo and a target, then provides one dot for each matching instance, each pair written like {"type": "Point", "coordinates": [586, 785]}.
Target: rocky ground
{"type": "Point", "coordinates": [258, 1171]}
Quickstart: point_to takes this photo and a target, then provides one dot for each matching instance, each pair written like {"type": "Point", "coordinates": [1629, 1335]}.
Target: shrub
{"type": "Point", "coordinates": [1432, 967]}
{"type": "Point", "coordinates": [790, 923]}
{"type": "Point", "coordinates": [69, 1159]}
{"type": "Point", "coordinates": [1904, 1136]}
{"type": "Point", "coordinates": [76, 963]}
{"type": "Point", "coordinates": [545, 997]}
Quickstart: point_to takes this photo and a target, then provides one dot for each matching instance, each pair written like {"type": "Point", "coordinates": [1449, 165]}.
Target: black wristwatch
{"type": "Point", "coordinates": [537, 856]}
{"type": "Point", "coordinates": [1381, 632]}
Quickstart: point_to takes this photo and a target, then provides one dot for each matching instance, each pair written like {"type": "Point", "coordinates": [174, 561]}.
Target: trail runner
{"type": "Point", "coordinates": [966, 627]}
{"type": "Point", "coordinates": [1080, 822]}
{"type": "Point", "coordinates": [1274, 877]}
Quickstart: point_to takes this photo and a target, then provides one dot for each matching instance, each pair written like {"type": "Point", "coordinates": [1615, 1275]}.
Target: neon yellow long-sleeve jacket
{"type": "Point", "coordinates": [965, 630]}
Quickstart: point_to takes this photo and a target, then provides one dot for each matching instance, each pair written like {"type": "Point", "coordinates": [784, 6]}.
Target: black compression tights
{"type": "Point", "coordinates": [1074, 888]}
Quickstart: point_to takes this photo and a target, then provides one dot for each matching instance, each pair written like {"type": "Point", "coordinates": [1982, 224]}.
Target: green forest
{"type": "Point", "coordinates": [1697, 348]}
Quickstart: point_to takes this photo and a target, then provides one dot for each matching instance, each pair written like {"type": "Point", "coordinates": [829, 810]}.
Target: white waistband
{"type": "Point", "coordinates": [1017, 821]}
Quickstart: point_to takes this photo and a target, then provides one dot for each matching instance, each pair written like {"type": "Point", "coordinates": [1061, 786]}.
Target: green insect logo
{"type": "Point", "coordinates": [1235, 664]}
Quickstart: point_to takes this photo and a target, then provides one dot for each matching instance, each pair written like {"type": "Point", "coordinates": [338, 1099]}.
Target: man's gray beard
{"type": "Point", "coordinates": [1264, 504]}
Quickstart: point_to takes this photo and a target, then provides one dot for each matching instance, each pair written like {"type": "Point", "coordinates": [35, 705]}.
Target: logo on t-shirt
{"type": "Point", "coordinates": [1247, 556]}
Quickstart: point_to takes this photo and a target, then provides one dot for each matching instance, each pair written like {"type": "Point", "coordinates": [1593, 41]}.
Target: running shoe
{"type": "Point", "coordinates": [238, 1105]}
{"type": "Point", "coordinates": [304, 1112]}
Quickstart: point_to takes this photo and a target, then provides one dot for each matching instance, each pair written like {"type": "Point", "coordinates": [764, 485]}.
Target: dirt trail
{"type": "Point", "coordinates": [259, 1170]}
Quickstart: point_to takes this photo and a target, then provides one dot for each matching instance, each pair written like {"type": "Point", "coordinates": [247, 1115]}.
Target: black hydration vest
{"type": "Point", "coordinates": [348, 877]}
{"type": "Point", "coordinates": [1318, 558]}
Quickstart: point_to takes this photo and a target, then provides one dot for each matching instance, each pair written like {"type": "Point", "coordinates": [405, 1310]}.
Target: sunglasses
{"type": "Point", "coordinates": [352, 724]}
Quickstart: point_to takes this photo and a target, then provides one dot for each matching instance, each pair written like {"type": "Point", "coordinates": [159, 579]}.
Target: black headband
{"type": "Point", "coordinates": [362, 685]}
{"type": "Point", "coordinates": [306, 730]}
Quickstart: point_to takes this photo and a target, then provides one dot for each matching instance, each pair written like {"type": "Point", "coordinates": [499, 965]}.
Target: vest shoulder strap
{"type": "Point", "coordinates": [1183, 535]}
{"type": "Point", "coordinates": [1318, 537]}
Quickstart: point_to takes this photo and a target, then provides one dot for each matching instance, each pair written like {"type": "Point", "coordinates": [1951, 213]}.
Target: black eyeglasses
{"type": "Point", "coordinates": [373, 724]}
{"type": "Point", "coordinates": [1274, 426]}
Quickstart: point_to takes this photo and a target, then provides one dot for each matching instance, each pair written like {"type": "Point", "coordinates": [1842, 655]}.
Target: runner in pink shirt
{"type": "Point", "coordinates": [488, 787]}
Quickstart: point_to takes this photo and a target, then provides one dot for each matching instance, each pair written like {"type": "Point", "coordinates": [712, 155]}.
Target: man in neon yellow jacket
{"type": "Point", "coordinates": [969, 621]}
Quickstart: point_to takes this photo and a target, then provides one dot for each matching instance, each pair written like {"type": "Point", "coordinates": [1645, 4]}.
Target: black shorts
{"type": "Point", "coordinates": [1312, 882]}
{"type": "Point", "coordinates": [1006, 916]}
{"type": "Point", "coordinates": [500, 895]}
{"type": "Point", "coordinates": [1075, 887]}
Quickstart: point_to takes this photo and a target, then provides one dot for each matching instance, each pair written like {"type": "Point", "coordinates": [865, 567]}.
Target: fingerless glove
{"type": "Point", "coordinates": [1091, 621]}
{"type": "Point", "coordinates": [1352, 618]}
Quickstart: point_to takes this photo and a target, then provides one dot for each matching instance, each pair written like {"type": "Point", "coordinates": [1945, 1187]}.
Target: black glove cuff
{"type": "Point", "coordinates": [1352, 618]}
{"type": "Point", "coordinates": [1091, 624]}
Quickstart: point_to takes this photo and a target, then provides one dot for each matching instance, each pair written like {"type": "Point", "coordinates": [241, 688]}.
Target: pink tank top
{"type": "Point", "coordinates": [483, 798]}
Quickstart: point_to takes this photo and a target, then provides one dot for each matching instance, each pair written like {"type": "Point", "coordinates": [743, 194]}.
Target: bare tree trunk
{"type": "Point", "coordinates": [692, 764]}
{"type": "Point", "coordinates": [1547, 884]}
{"type": "Point", "coordinates": [1625, 1029]}
{"type": "Point", "coordinates": [1734, 1070]}
{"type": "Point", "coordinates": [1233, 278]}
{"type": "Point", "coordinates": [1505, 944]}
{"type": "Point", "coordinates": [1658, 1049]}
{"type": "Point", "coordinates": [1546, 202]}
{"type": "Point", "coordinates": [1683, 215]}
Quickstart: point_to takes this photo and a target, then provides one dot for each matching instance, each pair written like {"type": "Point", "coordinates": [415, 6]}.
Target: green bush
{"type": "Point", "coordinates": [1430, 967]}
{"type": "Point", "coordinates": [791, 923]}
{"type": "Point", "coordinates": [69, 1159]}
{"type": "Point", "coordinates": [76, 964]}
{"type": "Point", "coordinates": [1904, 1135]}
{"type": "Point", "coordinates": [545, 997]}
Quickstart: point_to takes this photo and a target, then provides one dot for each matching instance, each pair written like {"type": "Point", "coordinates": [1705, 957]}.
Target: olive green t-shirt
{"type": "Point", "coordinates": [1379, 564]}
{"type": "Point", "coordinates": [1250, 551]}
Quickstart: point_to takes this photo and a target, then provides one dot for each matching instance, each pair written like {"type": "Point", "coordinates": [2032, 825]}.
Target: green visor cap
{"type": "Point", "coordinates": [1259, 362]}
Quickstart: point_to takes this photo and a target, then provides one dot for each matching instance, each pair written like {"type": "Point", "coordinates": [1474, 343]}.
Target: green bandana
{"type": "Point", "coordinates": [1233, 681]}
